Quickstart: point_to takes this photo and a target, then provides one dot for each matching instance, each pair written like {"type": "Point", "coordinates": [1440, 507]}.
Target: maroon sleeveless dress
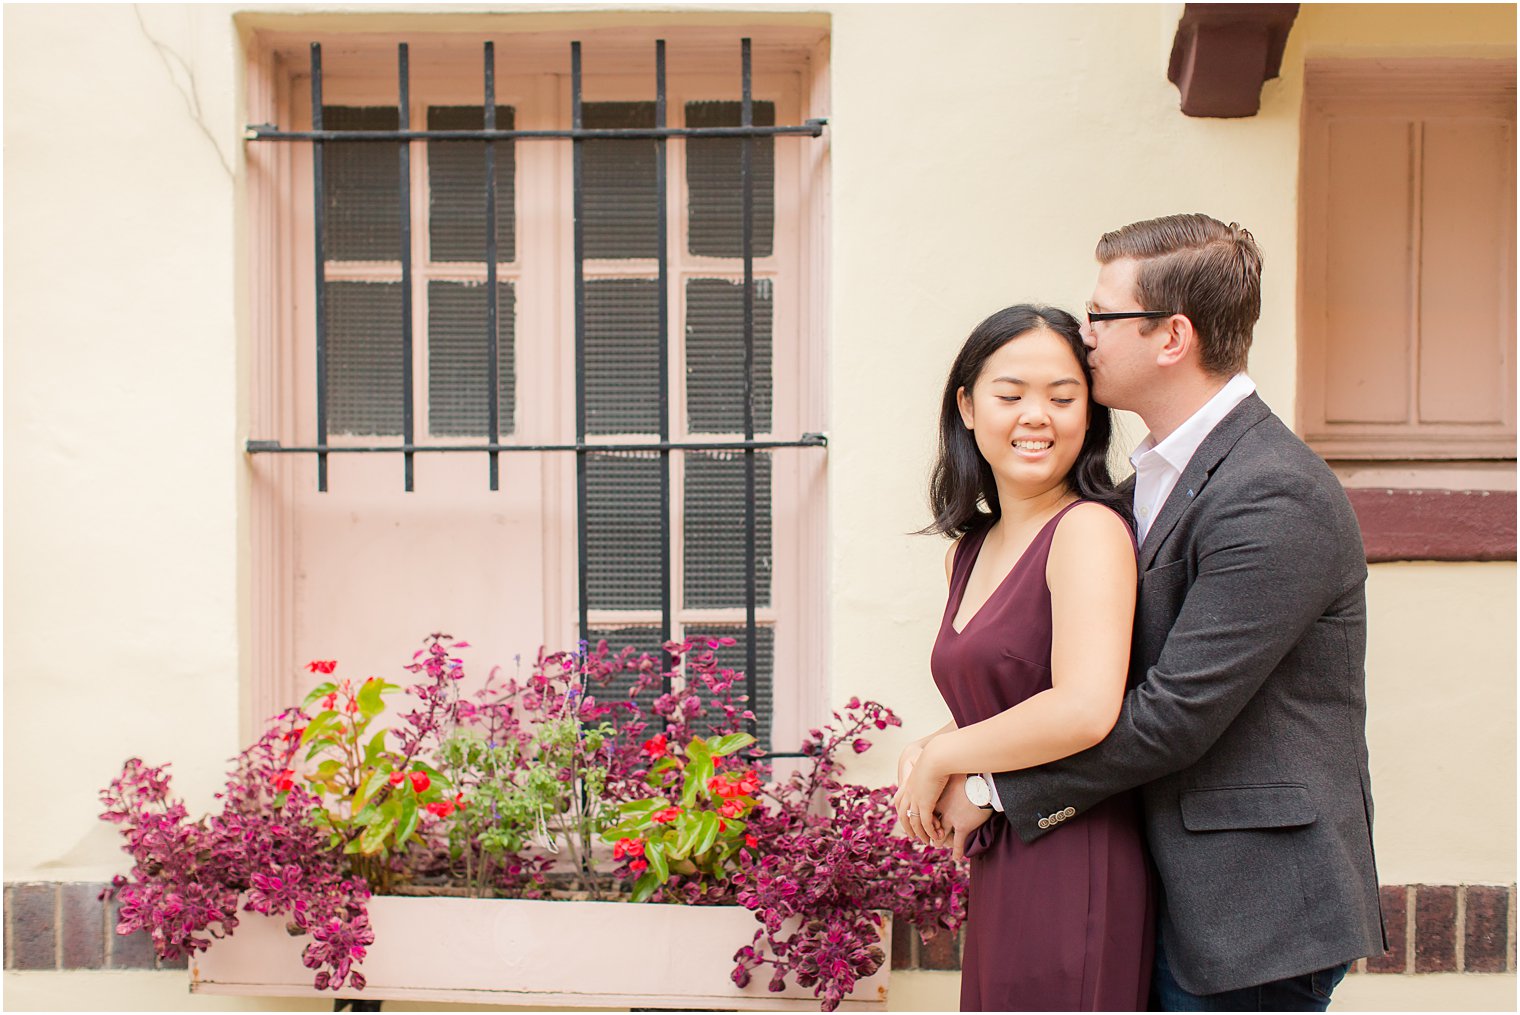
{"type": "Point", "coordinates": [1064, 924]}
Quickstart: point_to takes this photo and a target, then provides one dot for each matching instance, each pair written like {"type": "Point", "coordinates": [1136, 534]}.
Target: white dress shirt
{"type": "Point", "coordinates": [1159, 466]}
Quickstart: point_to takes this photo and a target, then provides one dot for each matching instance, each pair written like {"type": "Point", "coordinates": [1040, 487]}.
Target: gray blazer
{"type": "Point", "coordinates": [1245, 721]}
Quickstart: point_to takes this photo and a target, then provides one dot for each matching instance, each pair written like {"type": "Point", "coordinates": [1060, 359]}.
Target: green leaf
{"type": "Point", "coordinates": [655, 854]}
{"type": "Point", "coordinates": [376, 779]}
{"type": "Point", "coordinates": [376, 748]}
{"type": "Point", "coordinates": [321, 726]}
{"type": "Point", "coordinates": [320, 691]}
{"type": "Point", "coordinates": [279, 799]}
{"type": "Point", "coordinates": [409, 818]}
{"type": "Point", "coordinates": [352, 847]}
{"type": "Point", "coordinates": [369, 698]}
{"type": "Point", "coordinates": [698, 749]}
{"type": "Point", "coordinates": [328, 769]}
{"type": "Point", "coordinates": [724, 746]}
{"type": "Point", "coordinates": [644, 887]}
{"type": "Point", "coordinates": [645, 806]}
{"type": "Point", "coordinates": [707, 833]}
{"type": "Point", "coordinates": [696, 780]}
{"type": "Point", "coordinates": [373, 839]}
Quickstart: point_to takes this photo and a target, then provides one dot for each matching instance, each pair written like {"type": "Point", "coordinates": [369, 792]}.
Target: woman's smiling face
{"type": "Point", "coordinates": [1029, 412]}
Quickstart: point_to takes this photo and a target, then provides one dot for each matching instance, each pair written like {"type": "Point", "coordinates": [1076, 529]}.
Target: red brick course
{"type": "Point", "coordinates": [53, 925]}
{"type": "Point", "coordinates": [1435, 933]}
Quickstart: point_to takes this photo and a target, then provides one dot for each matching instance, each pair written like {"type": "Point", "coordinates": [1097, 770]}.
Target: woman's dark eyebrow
{"type": "Point", "coordinates": [1052, 384]}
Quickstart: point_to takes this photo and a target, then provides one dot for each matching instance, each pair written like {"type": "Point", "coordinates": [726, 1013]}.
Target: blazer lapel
{"type": "Point", "coordinates": [1210, 453]}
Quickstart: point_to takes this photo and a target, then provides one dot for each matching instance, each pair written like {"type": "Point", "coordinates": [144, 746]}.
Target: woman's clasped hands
{"type": "Point", "coordinates": [920, 784]}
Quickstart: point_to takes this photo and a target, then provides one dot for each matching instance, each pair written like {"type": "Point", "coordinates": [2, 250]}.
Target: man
{"type": "Point", "coordinates": [1244, 722]}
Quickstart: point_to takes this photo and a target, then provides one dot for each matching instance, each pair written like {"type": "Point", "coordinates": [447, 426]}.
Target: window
{"type": "Point", "coordinates": [1407, 329]}
{"type": "Point", "coordinates": [365, 570]}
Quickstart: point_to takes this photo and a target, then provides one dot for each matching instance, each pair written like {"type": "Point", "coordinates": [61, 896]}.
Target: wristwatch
{"type": "Point", "coordinates": [978, 792]}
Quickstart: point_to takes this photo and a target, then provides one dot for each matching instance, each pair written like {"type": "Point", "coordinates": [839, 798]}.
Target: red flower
{"type": "Point", "coordinates": [420, 782]}
{"type": "Point", "coordinates": [628, 847]}
{"type": "Point", "coordinates": [396, 778]}
{"type": "Point", "coordinates": [731, 809]}
{"type": "Point", "coordinates": [441, 808]}
{"type": "Point", "coordinates": [722, 825]}
{"type": "Point", "coordinates": [284, 780]}
{"type": "Point", "coordinates": [352, 706]}
{"type": "Point", "coordinates": [330, 701]}
{"type": "Point", "coordinates": [656, 747]}
{"type": "Point", "coordinates": [668, 814]}
{"type": "Point", "coordinates": [459, 800]}
{"type": "Point", "coordinates": [322, 665]}
{"type": "Point", "coordinates": [637, 866]}
{"type": "Point", "coordinates": [752, 842]}
{"type": "Point", "coordinates": [718, 786]}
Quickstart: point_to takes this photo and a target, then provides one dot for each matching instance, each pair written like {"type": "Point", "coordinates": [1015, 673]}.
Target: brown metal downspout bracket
{"type": "Point", "coordinates": [1224, 53]}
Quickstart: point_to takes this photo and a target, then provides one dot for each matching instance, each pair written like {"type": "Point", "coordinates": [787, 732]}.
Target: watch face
{"type": "Point", "coordinates": [977, 791]}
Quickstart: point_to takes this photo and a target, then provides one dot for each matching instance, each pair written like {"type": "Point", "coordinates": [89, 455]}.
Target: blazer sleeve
{"type": "Point", "coordinates": [1272, 557]}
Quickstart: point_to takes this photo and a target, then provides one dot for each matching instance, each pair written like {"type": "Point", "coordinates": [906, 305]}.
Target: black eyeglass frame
{"type": "Point", "coordinates": [1123, 315]}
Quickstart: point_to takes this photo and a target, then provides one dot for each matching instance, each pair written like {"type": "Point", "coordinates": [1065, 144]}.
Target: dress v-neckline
{"type": "Point", "coordinates": [960, 597]}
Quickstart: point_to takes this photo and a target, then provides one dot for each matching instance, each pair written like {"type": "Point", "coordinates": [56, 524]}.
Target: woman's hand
{"type": "Point", "coordinates": [917, 796]}
{"type": "Point", "coordinates": [907, 760]}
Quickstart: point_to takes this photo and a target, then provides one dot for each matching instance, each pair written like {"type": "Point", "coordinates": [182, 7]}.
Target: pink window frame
{"type": "Point", "coordinates": [791, 60]}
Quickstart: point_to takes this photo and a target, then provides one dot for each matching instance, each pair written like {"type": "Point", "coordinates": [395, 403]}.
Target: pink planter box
{"type": "Point", "coordinates": [519, 952]}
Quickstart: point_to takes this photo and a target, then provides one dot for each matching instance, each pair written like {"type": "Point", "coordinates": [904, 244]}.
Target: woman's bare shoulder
{"type": "Point", "coordinates": [1091, 530]}
{"type": "Point", "coordinates": [950, 557]}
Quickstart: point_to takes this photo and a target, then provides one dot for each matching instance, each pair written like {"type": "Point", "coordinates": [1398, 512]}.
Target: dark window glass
{"type": "Point", "coordinates": [622, 383]}
{"type": "Point", "coordinates": [715, 355]}
{"type": "Point", "coordinates": [644, 639]}
{"type": "Point", "coordinates": [714, 532]}
{"type": "Point", "coordinates": [457, 187]}
{"type": "Point", "coordinates": [457, 385]}
{"type": "Point", "coordinates": [620, 203]}
{"type": "Point", "coordinates": [360, 187]}
{"type": "Point", "coordinates": [714, 184]}
{"type": "Point", "coordinates": [363, 357]}
{"type": "Point", "coordinates": [623, 531]}
{"type": "Point", "coordinates": [733, 658]}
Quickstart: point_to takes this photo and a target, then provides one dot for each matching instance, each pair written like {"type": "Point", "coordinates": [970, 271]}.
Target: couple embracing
{"type": "Point", "coordinates": [1157, 759]}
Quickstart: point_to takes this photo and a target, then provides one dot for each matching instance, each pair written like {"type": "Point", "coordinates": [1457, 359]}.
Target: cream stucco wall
{"type": "Point", "coordinates": [977, 153]}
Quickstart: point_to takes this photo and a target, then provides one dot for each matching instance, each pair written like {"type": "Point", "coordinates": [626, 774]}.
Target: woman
{"type": "Point", "coordinates": [1031, 657]}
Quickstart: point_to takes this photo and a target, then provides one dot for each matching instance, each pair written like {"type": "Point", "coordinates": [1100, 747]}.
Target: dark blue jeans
{"type": "Point", "coordinates": [1309, 992]}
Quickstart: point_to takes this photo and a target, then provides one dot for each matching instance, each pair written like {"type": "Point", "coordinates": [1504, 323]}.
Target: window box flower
{"type": "Point", "coordinates": [506, 804]}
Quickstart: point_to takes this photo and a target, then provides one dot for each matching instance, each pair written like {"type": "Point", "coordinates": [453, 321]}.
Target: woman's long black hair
{"type": "Point", "coordinates": [962, 480]}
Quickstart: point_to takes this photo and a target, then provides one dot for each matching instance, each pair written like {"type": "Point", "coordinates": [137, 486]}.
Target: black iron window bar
{"type": "Point", "coordinates": [493, 447]}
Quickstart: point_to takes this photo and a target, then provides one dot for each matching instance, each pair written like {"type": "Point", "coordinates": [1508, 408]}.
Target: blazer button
{"type": "Point", "coordinates": [1070, 812]}
{"type": "Point", "coordinates": [1044, 822]}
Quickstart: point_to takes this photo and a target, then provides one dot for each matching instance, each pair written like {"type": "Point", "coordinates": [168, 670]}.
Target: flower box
{"type": "Point", "coordinates": [524, 952]}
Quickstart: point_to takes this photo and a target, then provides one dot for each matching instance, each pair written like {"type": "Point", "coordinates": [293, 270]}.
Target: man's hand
{"type": "Point", "coordinates": [958, 816]}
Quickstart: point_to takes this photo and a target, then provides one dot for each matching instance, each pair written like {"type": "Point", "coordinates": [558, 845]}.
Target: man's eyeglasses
{"type": "Point", "coordinates": [1123, 315]}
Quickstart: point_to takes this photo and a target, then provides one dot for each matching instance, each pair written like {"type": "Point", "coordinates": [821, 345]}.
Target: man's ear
{"type": "Point", "coordinates": [963, 400]}
{"type": "Point", "coordinates": [1180, 340]}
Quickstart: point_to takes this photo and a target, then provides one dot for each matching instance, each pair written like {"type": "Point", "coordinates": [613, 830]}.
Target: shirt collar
{"type": "Point", "coordinates": [1178, 448]}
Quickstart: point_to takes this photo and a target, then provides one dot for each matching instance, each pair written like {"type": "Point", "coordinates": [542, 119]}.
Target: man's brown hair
{"type": "Point", "coordinates": [1201, 268]}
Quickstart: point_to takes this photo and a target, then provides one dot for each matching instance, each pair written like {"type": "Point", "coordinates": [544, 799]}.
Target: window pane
{"type": "Point", "coordinates": [733, 658]}
{"type": "Point", "coordinates": [360, 187]}
{"type": "Point", "coordinates": [623, 526]}
{"type": "Point", "coordinates": [715, 193]}
{"type": "Point", "coordinates": [715, 355]}
{"type": "Point", "coordinates": [363, 357]}
{"type": "Point", "coordinates": [622, 382]}
{"type": "Point", "coordinates": [457, 187]}
{"type": "Point", "coordinates": [643, 639]}
{"type": "Point", "coordinates": [714, 540]}
{"type": "Point", "coordinates": [457, 359]}
{"type": "Point", "coordinates": [621, 209]}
